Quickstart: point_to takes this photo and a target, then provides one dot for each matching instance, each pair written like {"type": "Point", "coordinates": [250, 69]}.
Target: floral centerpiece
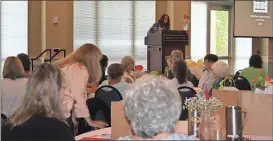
{"type": "Point", "coordinates": [207, 124]}
{"type": "Point", "coordinates": [199, 102]}
{"type": "Point", "coordinates": [262, 85]}
{"type": "Point", "coordinates": [261, 82]}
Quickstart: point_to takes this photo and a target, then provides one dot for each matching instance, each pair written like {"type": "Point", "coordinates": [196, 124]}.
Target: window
{"type": "Point", "coordinates": [198, 29]}
{"type": "Point", "coordinates": [14, 28]}
{"type": "Point", "coordinates": [243, 51]}
{"type": "Point", "coordinates": [118, 28]}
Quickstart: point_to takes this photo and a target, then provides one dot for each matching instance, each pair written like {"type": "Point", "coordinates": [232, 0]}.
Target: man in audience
{"type": "Point", "coordinates": [26, 61]}
{"type": "Point", "coordinates": [115, 72]}
{"type": "Point", "coordinates": [207, 76]}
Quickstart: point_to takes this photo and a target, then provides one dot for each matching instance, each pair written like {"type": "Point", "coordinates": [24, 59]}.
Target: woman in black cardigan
{"type": "Point", "coordinates": [40, 117]}
{"type": "Point", "coordinates": [162, 24]}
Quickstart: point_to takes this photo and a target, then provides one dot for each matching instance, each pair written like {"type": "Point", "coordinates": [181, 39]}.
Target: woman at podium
{"type": "Point", "coordinates": [162, 24]}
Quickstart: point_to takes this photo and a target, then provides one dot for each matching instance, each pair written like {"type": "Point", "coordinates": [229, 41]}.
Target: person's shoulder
{"type": "Point", "coordinates": [103, 83]}
{"type": "Point", "coordinates": [189, 84]}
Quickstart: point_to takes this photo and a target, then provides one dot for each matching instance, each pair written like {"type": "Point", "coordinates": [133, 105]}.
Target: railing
{"type": "Point", "coordinates": [51, 57]}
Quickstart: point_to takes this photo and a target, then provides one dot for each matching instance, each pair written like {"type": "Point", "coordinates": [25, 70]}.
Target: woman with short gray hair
{"type": "Point", "coordinates": [153, 107]}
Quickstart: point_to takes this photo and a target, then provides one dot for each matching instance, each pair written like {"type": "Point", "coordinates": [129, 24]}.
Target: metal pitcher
{"type": "Point", "coordinates": [193, 122]}
{"type": "Point", "coordinates": [234, 121]}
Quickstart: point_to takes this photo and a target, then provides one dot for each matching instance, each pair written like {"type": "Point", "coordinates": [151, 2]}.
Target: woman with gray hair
{"type": "Point", "coordinates": [153, 107]}
{"type": "Point", "coordinates": [220, 70]}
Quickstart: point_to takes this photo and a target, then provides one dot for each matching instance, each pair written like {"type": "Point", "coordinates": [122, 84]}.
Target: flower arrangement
{"type": "Point", "coordinates": [196, 103]}
{"type": "Point", "coordinates": [261, 82]}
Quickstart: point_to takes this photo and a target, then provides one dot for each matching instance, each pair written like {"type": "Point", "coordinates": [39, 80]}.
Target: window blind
{"type": "Point", "coordinates": [115, 23]}
{"type": "Point", "coordinates": [84, 23]}
{"type": "Point", "coordinates": [144, 19]}
{"type": "Point", "coordinates": [14, 29]}
{"type": "Point", "coordinates": [118, 28]}
{"type": "Point", "coordinates": [198, 29]}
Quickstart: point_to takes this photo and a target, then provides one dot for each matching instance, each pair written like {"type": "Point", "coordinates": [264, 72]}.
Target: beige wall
{"type": "Point", "coordinates": [176, 10]}
{"type": "Point", "coordinates": [34, 28]}
{"type": "Point", "coordinates": [42, 28]}
{"type": "Point", "coordinates": [42, 31]}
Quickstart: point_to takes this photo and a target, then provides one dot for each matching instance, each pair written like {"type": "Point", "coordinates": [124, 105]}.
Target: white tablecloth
{"type": "Point", "coordinates": [94, 133]}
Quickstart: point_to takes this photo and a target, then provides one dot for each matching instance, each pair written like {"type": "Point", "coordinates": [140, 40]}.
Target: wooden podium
{"type": "Point", "coordinates": [161, 44]}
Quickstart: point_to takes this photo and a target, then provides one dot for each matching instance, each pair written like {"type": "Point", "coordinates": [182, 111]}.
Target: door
{"type": "Point", "coordinates": [219, 32]}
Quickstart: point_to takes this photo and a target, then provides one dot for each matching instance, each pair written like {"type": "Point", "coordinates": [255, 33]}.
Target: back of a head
{"type": "Point", "coordinates": [13, 68]}
{"type": "Point", "coordinates": [256, 61]}
{"type": "Point", "coordinates": [177, 55]}
{"type": "Point", "coordinates": [220, 68]}
{"type": "Point", "coordinates": [126, 61]}
{"type": "Point", "coordinates": [155, 102]}
{"type": "Point", "coordinates": [26, 61]}
{"type": "Point", "coordinates": [181, 71]}
{"type": "Point", "coordinates": [115, 71]}
{"type": "Point", "coordinates": [211, 58]}
{"type": "Point", "coordinates": [89, 55]}
{"type": "Point", "coordinates": [43, 95]}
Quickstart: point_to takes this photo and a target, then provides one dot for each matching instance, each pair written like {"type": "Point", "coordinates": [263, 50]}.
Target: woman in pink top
{"type": "Point", "coordinates": [79, 68]}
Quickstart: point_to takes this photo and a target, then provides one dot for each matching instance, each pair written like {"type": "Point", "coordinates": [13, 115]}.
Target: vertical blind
{"type": "Point", "coordinates": [118, 28]}
{"type": "Point", "coordinates": [14, 28]}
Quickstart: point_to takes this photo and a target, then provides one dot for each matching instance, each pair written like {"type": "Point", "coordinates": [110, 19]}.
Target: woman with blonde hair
{"type": "Point", "coordinates": [80, 68]}
{"type": "Point", "coordinates": [14, 76]}
{"type": "Point", "coordinates": [40, 115]}
{"type": "Point", "coordinates": [128, 64]}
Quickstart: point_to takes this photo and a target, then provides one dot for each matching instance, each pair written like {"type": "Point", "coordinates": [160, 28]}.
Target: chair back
{"type": "Point", "coordinates": [238, 72]}
{"type": "Point", "coordinates": [101, 104]}
{"type": "Point", "coordinates": [108, 94]}
{"type": "Point", "coordinates": [241, 83]}
{"type": "Point", "coordinates": [185, 92]}
{"type": "Point", "coordinates": [194, 80]}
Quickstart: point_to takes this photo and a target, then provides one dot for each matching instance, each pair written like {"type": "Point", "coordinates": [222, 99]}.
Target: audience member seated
{"type": "Point", "coordinates": [207, 76]}
{"type": "Point", "coordinates": [176, 55]}
{"type": "Point", "coordinates": [13, 86]}
{"type": "Point", "coordinates": [79, 68]}
{"type": "Point", "coordinates": [255, 68]}
{"type": "Point", "coordinates": [128, 63]}
{"type": "Point", "coordinates": [103, 64]}
{"type": "Point", "coordinates": [220, 70]}
{"type": "Point", "coordinates": [26, 61]}
{"type": "Point", "coordinates": [115, 73]}
{"type": "Point", "coordinates": [180, 70]}
{"type": "Point", "coordinates": [153, 107]}
{"type": "Point", "coordinates": [40, 116]}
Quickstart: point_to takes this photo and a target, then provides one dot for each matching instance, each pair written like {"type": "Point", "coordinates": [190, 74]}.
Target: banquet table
{"type": "Point", "coordinates": [181, 127]}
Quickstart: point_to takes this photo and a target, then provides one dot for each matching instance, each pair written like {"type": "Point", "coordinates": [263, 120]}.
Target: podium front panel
{"type": "Point", "coordinates": [155, 58]}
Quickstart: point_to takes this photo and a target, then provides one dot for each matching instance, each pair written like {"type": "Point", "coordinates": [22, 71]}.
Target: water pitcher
{"type": "Point", "coordinates": [193, 122]}
{"type": "Point", "coordinates": [234, 121]}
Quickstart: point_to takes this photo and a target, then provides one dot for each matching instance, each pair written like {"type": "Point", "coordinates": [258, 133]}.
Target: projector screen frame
{"type": "Point", "coordinates": [245, 36]}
